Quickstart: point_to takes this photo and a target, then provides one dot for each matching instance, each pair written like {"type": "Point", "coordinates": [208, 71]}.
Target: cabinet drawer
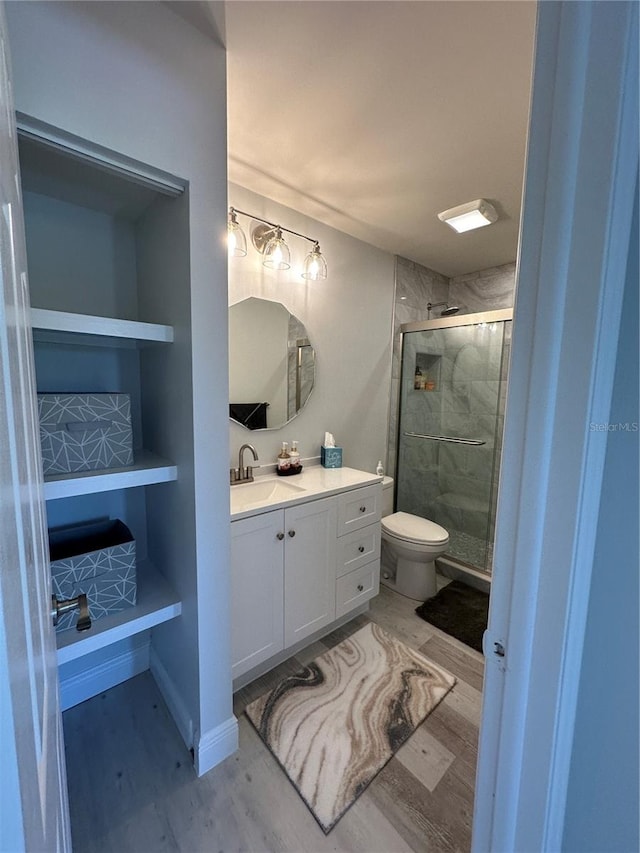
{"type": "Point", "coordinates": [357, 587]}
{"type": "Point", "coordinates": [358, 548]}
{"type": "Point", "coordinates": [358, 508]}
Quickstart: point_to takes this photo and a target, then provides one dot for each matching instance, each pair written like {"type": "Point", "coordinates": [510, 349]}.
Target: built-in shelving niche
{"type": "Point", "coordinates": [427, 372]}
{"type": "Point", "coordinates": [105, 300]}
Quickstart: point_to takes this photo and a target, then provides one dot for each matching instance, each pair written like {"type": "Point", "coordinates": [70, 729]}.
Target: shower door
{"type": "Point", "coordinates": [452, 393]}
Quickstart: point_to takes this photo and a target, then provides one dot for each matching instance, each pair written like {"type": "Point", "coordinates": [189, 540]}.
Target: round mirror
{"type": "Point", "coordinates": [271, 364]}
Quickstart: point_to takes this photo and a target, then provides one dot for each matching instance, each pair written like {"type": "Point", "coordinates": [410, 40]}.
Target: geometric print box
{"type": "Point", "coordinates": [84, 432]}
{"type": "Point", "coordinates": [98, 559]}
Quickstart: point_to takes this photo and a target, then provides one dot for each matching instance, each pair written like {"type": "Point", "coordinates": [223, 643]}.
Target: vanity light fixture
{"type": "Point", "coordinates": [466, 217]}
{"type": "Point", "coordinates": [315, 266]}
{"type": "Point", "coordinates": [276, 253]}
{"type": "Point", "coordinates": [237, 242]}
{"type": "Point", "coordinates": [267, 239]}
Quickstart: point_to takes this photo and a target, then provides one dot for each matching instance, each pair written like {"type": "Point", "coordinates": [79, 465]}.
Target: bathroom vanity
{"type": "Point", "coordinates": [305, 557]}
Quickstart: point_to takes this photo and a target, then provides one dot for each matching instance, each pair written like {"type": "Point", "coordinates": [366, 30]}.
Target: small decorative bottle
{"type": "Point", "coordinates": [294, 457]}
{"type": "Point", "coordinates": [417, 379]}
{"type": "Point", "coordinates": [380, 469]}
{"type": "Point", "coordinates": [284, 460]}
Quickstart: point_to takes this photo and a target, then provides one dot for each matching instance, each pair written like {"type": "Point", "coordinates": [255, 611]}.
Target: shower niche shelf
{"type": "Point", "coordinates": [427, 372]}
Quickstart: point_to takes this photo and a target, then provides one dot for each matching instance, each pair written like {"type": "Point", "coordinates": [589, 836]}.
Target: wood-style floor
{"type": "Point", "coordinates": [132, 786]}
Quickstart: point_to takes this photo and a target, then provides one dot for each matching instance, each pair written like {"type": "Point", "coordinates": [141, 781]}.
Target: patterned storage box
{"type": "Point", "coordinates": [98, 559]}
{"type": "Point", "coordinates": [84, 432]}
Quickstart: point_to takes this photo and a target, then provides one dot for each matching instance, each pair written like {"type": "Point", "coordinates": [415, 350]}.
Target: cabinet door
{"type": "Point", "coordinates": [256, 590]}
{"type": "Point", "coordinates": [310, 573]}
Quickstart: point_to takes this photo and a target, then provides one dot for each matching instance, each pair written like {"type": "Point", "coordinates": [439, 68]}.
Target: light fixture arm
{"type": "Point", "coordinates": [273, 225]}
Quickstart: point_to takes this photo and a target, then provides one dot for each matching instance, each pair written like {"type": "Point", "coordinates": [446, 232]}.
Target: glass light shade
{"type": "Point", "coordinates": [236, 241]}
{"type": "Point", "coordinates": [315, 266]}
{"type": "Point", "coordinates": [276, 253]}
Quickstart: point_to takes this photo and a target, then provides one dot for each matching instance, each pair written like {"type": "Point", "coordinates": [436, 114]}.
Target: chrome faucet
{"type": "Point", "coordinates": [243, 474]}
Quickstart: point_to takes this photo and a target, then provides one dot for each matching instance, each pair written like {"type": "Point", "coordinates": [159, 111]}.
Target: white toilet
{"type": "Point", "coordinates": [412, 545]}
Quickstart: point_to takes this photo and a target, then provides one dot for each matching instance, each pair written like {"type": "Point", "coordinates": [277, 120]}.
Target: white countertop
{"type": "Point", "coordinates": [314, 482]}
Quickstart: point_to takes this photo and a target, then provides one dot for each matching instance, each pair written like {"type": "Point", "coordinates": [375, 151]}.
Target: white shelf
{"type": "Point", "coordinates": [146, 470]}
{"type": "Point", "coordinates": [157, 603]}
{"type": "Point", "coordinates": [64, 327]}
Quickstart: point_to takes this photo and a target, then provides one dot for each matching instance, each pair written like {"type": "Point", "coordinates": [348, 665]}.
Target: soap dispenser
{"type": "Point", "coordinates": [284, 459]}
{"type": "Point", "coordinates": [294, 457]}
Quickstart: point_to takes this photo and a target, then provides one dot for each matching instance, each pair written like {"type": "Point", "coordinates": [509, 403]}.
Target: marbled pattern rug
{"type": "Point", "coordinates": [335, 724]}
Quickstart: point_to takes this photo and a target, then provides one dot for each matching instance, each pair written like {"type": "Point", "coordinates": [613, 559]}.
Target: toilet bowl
{"type": "Point", "coordinates": [412, 545]}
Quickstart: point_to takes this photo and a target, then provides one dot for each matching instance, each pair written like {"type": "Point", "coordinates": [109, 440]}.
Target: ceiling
{"type": "Point", "coordinates": [372, 117]}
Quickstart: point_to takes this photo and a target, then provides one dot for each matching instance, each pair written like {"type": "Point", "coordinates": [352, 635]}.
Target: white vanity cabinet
{"type": "Point", "coordinates": [309, 568]}
{"type": "Point", "coordinates": [282, 580]}
{"type": "Point", "coordinates": [296, 570]}
{"type": "Point", "coordinates": [358, 563]}
{"type": "Point", "coordinates": [257, 590]}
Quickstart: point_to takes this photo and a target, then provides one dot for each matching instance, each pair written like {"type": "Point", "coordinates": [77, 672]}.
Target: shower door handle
{"type": "Point", "coordinates": [476, 442]}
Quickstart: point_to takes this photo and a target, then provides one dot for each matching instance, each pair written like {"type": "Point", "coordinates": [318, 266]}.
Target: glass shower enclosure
{"type": "Point", "coordinates": [452, 397]}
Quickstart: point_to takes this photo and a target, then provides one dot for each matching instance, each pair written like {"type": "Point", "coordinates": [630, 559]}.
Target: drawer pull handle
{"type": "Point", "coordinates": [360, 587]}
{"type": "Point", "coordinates": [280, 536]}
{"type": "Point", "coordinates": [361, 549]}
{"type": "Point", "coordinates": [292, 533]}
{"type": "Point", "coordinates": [363, 509]}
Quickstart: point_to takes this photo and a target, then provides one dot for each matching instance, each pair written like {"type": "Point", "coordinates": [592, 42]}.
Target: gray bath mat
{"type": "Point", "coordinates": [334, 725]}
{"type": "Point", "coordinates": [460, 611]}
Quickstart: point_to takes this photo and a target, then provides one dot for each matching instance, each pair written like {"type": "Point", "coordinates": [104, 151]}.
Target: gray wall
{"type": "Point", "coordinates": [348, 319]}
{"type": "Point", "coordinates": [603, 795]}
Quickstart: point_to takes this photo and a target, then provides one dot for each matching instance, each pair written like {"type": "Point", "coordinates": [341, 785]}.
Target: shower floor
{"type": "Point", "coordinates": [471, 550]}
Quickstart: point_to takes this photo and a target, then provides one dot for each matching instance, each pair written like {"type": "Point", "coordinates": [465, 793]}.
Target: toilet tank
{"type": "Point", "coordinates": [387, 496]}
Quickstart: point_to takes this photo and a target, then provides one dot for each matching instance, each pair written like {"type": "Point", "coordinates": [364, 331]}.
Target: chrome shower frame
{"type": "Point", "coordinates": [497, 316]}
{"type": "Point", "coordinates": [456, 568]}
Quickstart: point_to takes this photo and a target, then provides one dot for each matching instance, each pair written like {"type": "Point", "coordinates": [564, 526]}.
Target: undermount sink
{"type": "Point", "coordinates": [253, 494]}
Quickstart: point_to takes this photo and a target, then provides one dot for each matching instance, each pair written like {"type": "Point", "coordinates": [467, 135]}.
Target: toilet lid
{"type": "Point", "coordinates": [412, 528]}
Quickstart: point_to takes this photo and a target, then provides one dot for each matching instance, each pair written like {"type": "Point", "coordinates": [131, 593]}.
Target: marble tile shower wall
{"type": "Point", "coordinates": [415, 287]}
{"type": "Point", "coordinates": [452, 484]}
{"type": "Point", "coordinates": [485, 290]}
{"type": "Point", "coordinates": [470, 384]}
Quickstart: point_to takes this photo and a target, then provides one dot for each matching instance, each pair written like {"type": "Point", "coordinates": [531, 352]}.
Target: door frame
{"type": "Point", "coordinates": [582, 167]}
{"type": "Point", "coordinates": [34, 811]}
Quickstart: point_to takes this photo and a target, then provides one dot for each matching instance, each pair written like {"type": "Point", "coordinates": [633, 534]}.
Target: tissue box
{"type": "Point", "coordinates": [84, 432]}
{"type": "Point", "coordinates": [331, 457]}
{"type": "Point", "coordinates": [98, 559]}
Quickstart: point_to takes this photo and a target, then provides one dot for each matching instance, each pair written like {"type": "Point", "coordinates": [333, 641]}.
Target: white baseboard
{"type": "Point", "coordinates": [174, 701]}
{"type": "Point", "coordinates": [77, 685]}
{"type": "Point", "coordinates": [215, 745]}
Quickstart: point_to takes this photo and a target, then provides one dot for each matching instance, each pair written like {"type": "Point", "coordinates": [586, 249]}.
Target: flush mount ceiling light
{"type": "Point", "coordinates": [268, 240]}
{"type": "Point", "coordinates": [466, 217]}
